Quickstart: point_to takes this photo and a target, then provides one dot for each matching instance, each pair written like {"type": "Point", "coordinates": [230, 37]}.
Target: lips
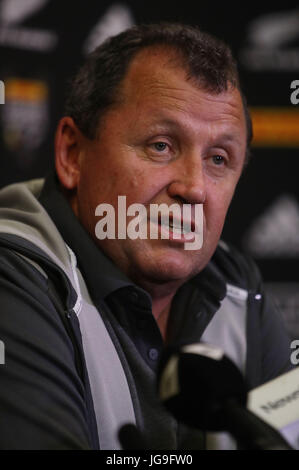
{"type": "Point", "coordinates": [174, 229]}
{"type": "Point", "coordinates": [181, 225]}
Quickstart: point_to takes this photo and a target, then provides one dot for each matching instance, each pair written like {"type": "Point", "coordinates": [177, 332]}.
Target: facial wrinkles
{"type": "Point", "coordinates": [193, 104]}
{"type": "Point", "coordinates": [194, 111]}
{"type": "Point", "coordinates": [153, 104]}
{"type": "Point", "coordinates": [166, 88]}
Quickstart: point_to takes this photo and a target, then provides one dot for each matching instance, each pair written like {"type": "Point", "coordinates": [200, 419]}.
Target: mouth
{"type": "Point", "coordinates": [179, 226]}
{"type": "Point", "coordinates": [174, 229]}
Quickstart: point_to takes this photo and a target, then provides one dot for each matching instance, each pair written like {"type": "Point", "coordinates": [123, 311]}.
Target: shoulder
{"type": "Point", "coordinates": [267, 342]}
{"type": "Point", "coordinates": [20, 270]}
{"type": "Point", "coordinates": [41, 365]}
{"type": "Point", "coordinates": [27, 296]}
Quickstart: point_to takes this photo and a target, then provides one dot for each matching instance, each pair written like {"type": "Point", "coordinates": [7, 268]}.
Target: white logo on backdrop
{"type": "Point", "coordinates": [16, 11]}
{"type": "Point", "coordinates": [116, 19]}
{"type": "Point", "coordinates": [274, 234]}
{"type": "Point", "coordinates": [12, 34]}
{"type": "Point", "coordinates": [272, 42]}
{"type": "Point", "coordinates": [2, 92]}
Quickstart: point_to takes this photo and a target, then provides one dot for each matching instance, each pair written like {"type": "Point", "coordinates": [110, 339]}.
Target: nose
{"type": "Point", "coordinates": [189, 183]}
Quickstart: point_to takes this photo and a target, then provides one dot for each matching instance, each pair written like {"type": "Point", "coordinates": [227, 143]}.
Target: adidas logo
{"type": "Point", "coordinates": [275, 233]}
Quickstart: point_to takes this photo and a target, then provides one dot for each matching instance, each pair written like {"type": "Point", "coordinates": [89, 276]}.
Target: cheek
{"type": "Point", "coordinates": [217, 205]}
{"type": "Point", "coordinates": [136, 179]}
{"type": "Point", "coordinates": [222, 192]}
{"type": "Point", "coordinates": [101, 182]}
{"type": "Point", "coordinates": [141, 186]}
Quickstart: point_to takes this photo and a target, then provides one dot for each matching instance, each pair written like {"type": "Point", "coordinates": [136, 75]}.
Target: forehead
{"type": "Point", "coordinates": [157, 82]}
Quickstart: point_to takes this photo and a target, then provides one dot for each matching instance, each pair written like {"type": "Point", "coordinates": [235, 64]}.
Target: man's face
{"type": "Point", "coordinates": [167, 141]}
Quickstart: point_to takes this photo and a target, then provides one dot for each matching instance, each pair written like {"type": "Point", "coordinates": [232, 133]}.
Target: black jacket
{"type": "Point", "coordinates": [45, 393]}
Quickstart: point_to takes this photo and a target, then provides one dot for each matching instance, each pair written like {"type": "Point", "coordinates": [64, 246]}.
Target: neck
{"type": "Point", "coordinates": [162, 296]}
{"type": "Point", "coordinates": [161, 310]}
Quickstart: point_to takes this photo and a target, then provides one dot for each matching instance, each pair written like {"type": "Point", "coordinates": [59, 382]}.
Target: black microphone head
{"type": "Point", "coordinates": [196, 381]}
{"type": "Point", "coordinates": [131, 438]}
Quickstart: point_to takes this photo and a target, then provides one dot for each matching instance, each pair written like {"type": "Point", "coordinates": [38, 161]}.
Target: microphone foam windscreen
{"type": "Point", "coordinates": [195, 382]}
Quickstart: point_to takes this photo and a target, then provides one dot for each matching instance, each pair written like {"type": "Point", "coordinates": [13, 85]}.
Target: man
{"type": "Point", "coordinates": [156, 114]}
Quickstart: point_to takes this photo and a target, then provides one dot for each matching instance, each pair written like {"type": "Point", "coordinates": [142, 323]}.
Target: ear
{"type": "Point", "coordinates": [67, 152]}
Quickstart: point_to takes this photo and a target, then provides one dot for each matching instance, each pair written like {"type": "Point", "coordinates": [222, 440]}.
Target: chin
{"type": "Point", "coordinates": [168, 267]}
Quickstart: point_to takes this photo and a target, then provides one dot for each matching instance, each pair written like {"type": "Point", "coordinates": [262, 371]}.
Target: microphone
{"type": "Point", "coordinates": [204, 389]}
{"type": "Point", "coordinates": [131, 438]}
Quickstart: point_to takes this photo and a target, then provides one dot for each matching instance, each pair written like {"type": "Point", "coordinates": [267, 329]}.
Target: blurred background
{"type": "Point", "coordinates": [42, 43]}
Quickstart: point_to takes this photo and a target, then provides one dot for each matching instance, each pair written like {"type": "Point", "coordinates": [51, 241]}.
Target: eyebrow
{"type": "Point", "coordinates": [229, 138]}
{"type": "Point", "coordinates": [174, 124]}
{"type": "Point", "coordinates": [167, 122]}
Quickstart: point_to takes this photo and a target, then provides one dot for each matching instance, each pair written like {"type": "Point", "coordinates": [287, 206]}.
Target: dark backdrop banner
{"type": "Point", "coordinates": [42, 43]}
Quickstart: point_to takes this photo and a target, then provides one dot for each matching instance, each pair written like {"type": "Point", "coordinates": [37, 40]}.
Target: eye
{"type": "Point", "coordinates": [160, 146]}
{"type": "Point", "coordinates": [218, 160]}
